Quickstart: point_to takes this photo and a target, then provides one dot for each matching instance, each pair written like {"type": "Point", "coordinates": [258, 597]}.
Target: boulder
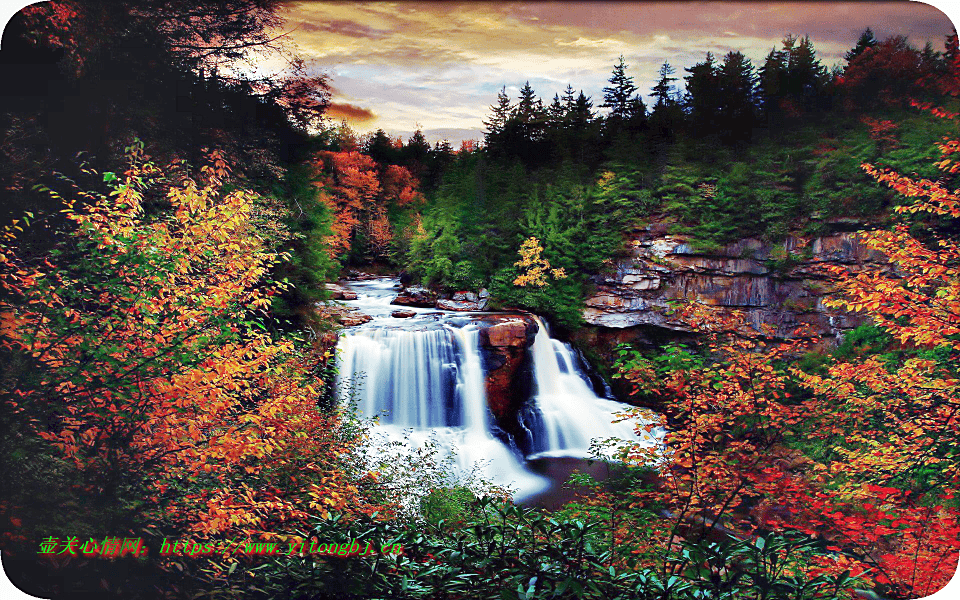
{"type": "Point", "coordinates": [510, 334]}
{"type": "Point", "coordinates": [403, 314]}
{"type": "Point", "coordinates": [338, 292]}
{"type": "Point", "coordinates": [504, 344]}
{"type": "Point", "coordinates": [354, 318]}
{"type": "Point", "coordinates": [346, 316]}
{"type": "Point", "coordinates": [458, 305]}
{"type": "Point", "coordinates": [465, 296]}
{"type": "Point", "coordinates": [416, 296]}
{"type": "Point", "coordinates": [483, 298]}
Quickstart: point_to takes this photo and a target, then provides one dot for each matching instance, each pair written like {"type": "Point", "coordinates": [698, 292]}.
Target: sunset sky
{"type": "Point", "coordinates": [439, 66]}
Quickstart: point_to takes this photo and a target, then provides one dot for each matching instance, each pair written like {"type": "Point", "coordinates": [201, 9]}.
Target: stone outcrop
{"type": "Point", "coordinates": [403, 314]}
{"type": "Point", "coordinates": [465, 301]}
{"type": "Point", "coordinates": [458, 305]}
{"type": "Point", "coordinates": [504, 340]}
{"type": "Point", "coordinates": [346, 316]}
{"type": "Point", "coordinates": [774, 285]}
{"type": "Point", "coordinates": [416, 296]}
{"type": "Point", "coordinates": [338, 292]}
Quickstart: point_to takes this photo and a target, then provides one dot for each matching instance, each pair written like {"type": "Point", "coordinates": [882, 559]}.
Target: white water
{"type": "Point", "coordinates": [423, 377]}
{"type": "Point", "coordinates": [571, 414]}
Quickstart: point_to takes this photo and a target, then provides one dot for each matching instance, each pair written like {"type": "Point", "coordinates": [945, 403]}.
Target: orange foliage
{"type": "Point", "coordinates": [881, 487]}
{"type": "Point", "coordinates": [349, 186]}
{"type": "Point", "coordinates": [359, 195]}
{"type": "Point", "coordinates": [400, 186]}
{"type": "Point", "coordinates": [151, 368]}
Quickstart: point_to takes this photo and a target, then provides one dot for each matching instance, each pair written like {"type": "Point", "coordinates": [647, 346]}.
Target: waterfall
{"type": "Point", "coordinates": [423, 378]}
{"type": "Point", "coordinates": [409, 378]}
{"type": "Point", "coordinates": [427, 384]}
{"type": "Point", "coordinates": [566, 414]}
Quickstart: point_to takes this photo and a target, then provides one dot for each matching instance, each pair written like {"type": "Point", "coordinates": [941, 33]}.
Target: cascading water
{"type": "Point", "coordinates": [423, 378]}
{"type": "Point", "coordinates": [410, 378]}
{"type": "Point", "coordinates": [566, 414]}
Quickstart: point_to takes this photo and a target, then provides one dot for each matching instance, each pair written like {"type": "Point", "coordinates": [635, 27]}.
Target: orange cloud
{"type": "Point", "coordinates": [349, 112]}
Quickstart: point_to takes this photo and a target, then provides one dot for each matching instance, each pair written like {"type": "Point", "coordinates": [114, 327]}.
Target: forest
{"type": "Point", "coordinates": [171, 220]}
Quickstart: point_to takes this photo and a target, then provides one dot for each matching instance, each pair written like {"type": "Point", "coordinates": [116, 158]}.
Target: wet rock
{"type": "Point", "coordinates": [508, 334]}
{"type": "Point", "coordinates": [338, 292]}
{"type": "Point", "coordinates": [360, 275]}
{"type": "Point", "coordinates": [346, 316]}
{"type": "Point", "coordinates": [483, 299]}
{"type": "Point", "coordinates": [504, 344]}
{"type": "Point", "coordinates": [416, 296]}
{"type": "Point", "coordinates": [403, 314]}
{"type": "Point", "coordinates": [457, 305]}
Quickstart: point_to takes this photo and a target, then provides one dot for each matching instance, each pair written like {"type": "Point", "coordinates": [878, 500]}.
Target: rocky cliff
{"type": "Point", "coordinates": [778, 285]}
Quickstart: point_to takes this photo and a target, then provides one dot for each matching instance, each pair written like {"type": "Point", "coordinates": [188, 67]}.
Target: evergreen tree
{"type": "Point", "coordinates": [529, 110]}
{"type": "Point", "coordinates": [556, 113]}
{"type": "Point", "coordinates": [582, 112]}
{"type": "Point", "coordinates": [416, 154]}
{"type": "Point", "coordinates": [568, 97]}
{"type": "Point", "coordinates": [617, 97]}
{"type": "Point", "coordinates": [497, 124]}
{"type": "Point", "coordinates": [702, 99]}
{"type": "Point", "coordinates": [667, 115]}
{"type": "Point", "coordinates": [807, 77]}
{"type": "Point", "coordinates": [663, 90]}
{"type": "Point", "coordinates": [792, 79]}
{"type": "Point", "coordinates": [381, 149]}
{"type": "Point", "coordinates": [501, 112]}
{"type": "Point", "coordinates": [737, 82]}
{"type": "Point", "coordinates": [865, 41]}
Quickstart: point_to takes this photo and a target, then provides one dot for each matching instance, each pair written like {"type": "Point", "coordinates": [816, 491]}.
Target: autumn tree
{"type": "Point", "coordinates": [858, 454]}
{"type": "Point", "coordinates": [85, 77]}
{"type": "Point", "coordinates": [534, 268]}
{"type": "Point", "coordinates": [349, 186]}
{"type": "Point", "coordinates": [890, 73]}
{"type": "Point", "coordinates": [139, 359]}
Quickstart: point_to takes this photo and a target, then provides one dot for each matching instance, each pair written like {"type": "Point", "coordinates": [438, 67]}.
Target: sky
{"type": "Point", "coordinates": [438, 66]}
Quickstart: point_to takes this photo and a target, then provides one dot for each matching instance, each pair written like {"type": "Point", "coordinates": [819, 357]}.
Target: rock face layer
{"type": "Point", "coordinates": [780, 286]}
{"type": "Point", "coordinates": [504, 340]}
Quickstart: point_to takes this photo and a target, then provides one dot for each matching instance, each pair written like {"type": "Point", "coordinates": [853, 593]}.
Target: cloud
{"type": "Point", "coordinates": [350, 112]}
{"type": "Point", "coordinates": [440, 64]}
{"type": "Point", "coordinates": [343, 27]}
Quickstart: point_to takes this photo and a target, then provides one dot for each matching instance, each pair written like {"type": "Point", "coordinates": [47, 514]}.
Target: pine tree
{"type": "Point", "coordinates": [582, 112]}
{"type": "Point", "coordinates": [865, 41]}
{"type": "Point", "coordinates": [529, 107]}
{"type": "Point", "coordinates": [738, 88]}
{"type": "Point", "coordinates": [663, 90]}
{"type": "Point", "coordinates": [702, 98]}
{"type": "Point", "coordinates": [556, 113]}
{"type": "Point", "coordinates": [568, 98]}
{"type": "Point", "coordinates": [498, 121]}
{"type": "Point", "coordinates": [617, 97]}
